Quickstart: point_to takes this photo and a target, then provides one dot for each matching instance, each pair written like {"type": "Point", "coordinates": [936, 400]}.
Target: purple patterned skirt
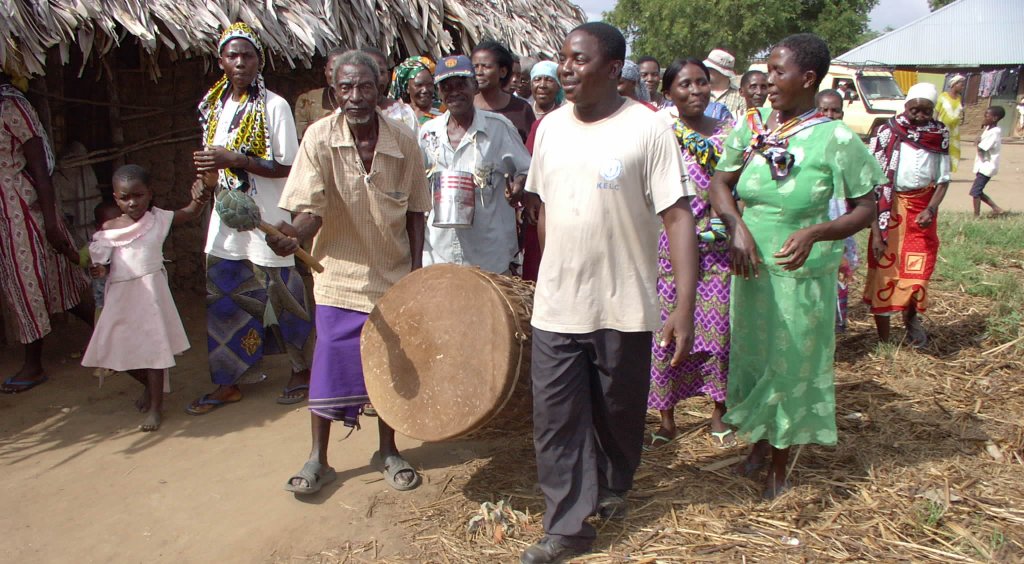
{"type": "Point", "coordinates": [706, 369]}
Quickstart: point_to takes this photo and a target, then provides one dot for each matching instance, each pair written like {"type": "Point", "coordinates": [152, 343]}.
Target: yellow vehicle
{"type": "Point", "coordinates": [871, 97]}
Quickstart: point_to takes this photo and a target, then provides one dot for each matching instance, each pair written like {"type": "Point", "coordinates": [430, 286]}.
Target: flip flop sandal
{"type": "Point", "coordinates": [654, 444]}
{"type": "Point", "coordinates": [394, 464]}
{"type": "Point", "coordinates": [206, 404]}
{"type": "Point", "coordinates": [22, 385]}
{"type": "Point", "coordinates": [286, 397]}
{"type": "Point", "coordinates": [315, 475]}
{"type": "Point", "coordinates": [718, 439]}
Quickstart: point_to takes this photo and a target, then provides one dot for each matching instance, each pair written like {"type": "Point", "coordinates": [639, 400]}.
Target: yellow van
{"type": "Point", "coordinates": [872, 95]}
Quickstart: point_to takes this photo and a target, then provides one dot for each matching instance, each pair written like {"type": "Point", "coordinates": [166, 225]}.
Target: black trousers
{"type": "Point", "coordinates": [589, 404]}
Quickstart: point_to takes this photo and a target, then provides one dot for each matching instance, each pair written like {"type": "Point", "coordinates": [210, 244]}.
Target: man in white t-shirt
{"type": "Point", "coordinates": [604, 168]}
{"type": "Point", "coordinates": [256, 301]}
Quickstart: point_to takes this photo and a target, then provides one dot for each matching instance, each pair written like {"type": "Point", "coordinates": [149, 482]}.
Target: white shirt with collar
{"type": "Point", "coordinates": [491, 242]}
{"type": "Point", "coordinates": [919, 168]}
{"type": "Point", "coordinates": [987, 160]}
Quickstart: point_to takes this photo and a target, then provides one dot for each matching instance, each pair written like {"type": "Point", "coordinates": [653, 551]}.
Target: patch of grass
{"type": "Point", "coordinates": [996, 541]}
{"type": "Point", "coordinates": [929, 513]}
{"type": "Point", "coordinates": [886, 351]}
{"type": "Point", "coordinates": [981, 257]}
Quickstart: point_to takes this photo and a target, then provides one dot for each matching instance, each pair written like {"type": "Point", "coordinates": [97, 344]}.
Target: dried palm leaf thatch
{"type": "Point", "coordinates": [929, 468]}
{"type": "Point", "coordinates": [293, 31]}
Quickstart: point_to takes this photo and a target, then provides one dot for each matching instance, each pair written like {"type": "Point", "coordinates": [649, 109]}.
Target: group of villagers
{"type": "Point", "coordinates": [785, 181]}
{"type": "Point", "coordinates": [723, 225]}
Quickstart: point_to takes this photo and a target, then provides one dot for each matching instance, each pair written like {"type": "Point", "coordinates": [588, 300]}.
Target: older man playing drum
{"type": "Point", "coordinates": [473, 149]}
{"type": "Point", "coordinates": [357, 190]}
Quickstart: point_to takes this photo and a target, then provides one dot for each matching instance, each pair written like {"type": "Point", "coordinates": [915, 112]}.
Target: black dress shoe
{"type": "Point", "coordinates": [548, 551]}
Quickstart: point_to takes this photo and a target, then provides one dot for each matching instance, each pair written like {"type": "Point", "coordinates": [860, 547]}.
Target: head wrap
{"type": "Point", "coordinates": [957, 79]}
{"type": "Point", "coordinates": [248, 132]}
{"type": "Point", "coordinates": [549, 69]}
{"type": "Point", "coordinates": [631, 71]}
{"type": "Point", "coordinates": [241, 30]}
{"type": "Point", "coordinates": [405, 72]}
{"type": "Point", "coordinates": [16, 75]}
{"type": "Point", "coordinates": [545, 68]}
{"type": "Point", "coordinates": [923, 90]}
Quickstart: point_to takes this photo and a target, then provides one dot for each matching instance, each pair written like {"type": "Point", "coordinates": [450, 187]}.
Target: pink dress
{"type": "Point", "coordinates": [139, 327]}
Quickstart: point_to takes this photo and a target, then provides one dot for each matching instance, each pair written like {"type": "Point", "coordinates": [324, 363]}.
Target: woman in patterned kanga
{"type": "Point", "coordinates": [687, 84]}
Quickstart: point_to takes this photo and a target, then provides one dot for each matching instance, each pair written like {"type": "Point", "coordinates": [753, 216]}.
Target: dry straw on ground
{"type": "Point", "coordinates": [929, 467]}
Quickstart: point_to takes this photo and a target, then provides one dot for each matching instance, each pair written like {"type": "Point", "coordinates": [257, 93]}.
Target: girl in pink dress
{"type": "Point", "coordinates": [139, 331]}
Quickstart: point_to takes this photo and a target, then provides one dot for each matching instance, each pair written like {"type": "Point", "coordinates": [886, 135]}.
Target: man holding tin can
{"type": "Point", "coordinates": [477, 150]}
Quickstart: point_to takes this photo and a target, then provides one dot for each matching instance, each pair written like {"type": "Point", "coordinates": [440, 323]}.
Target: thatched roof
{"type": "Point", "coordinates": [293, 30]}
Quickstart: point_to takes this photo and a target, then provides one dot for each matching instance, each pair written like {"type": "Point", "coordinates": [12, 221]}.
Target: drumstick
{"type": "Point", "coordinates": [239, 211]}
{"type": "Point", "coordinates": [300, 252]}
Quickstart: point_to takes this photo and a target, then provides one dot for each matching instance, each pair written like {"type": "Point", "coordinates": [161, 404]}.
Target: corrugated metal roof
{"type": "Point", "coordinates": [965, 33]}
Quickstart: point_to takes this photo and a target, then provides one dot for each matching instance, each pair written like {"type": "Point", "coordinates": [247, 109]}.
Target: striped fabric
{"type": "Point", "coordinates": [36, 282]}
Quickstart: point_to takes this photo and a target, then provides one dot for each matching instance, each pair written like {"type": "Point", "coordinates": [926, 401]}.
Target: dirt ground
{"type": "Point", "coordinates": [80, 483]}
{"type": "Point", "coordinates": [1006, 187]}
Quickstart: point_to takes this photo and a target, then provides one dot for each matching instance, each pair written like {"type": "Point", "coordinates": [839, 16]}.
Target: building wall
{"type": "Point", "coordinates": [974, 104]}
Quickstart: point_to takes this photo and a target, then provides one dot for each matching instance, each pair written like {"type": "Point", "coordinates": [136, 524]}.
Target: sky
{"type": "Point", "coordinates": [888, 13]}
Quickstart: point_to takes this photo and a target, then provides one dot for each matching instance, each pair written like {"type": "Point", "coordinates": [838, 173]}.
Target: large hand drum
{"type": "Point", "coordinates": [446, 351]}
{"type": "Point", "coordinates": [239, 211]}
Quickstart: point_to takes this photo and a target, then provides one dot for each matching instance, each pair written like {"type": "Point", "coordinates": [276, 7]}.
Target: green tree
{"type": "Point", "coordinates": [936, 4]}
{"type": "Point", "coordinates": [668, 29]}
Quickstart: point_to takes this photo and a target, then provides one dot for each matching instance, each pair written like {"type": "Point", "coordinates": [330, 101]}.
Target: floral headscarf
{"type": "Point", "coordinates": [405, 72]}
{"type": "Point", "coordinates": [248, 132]}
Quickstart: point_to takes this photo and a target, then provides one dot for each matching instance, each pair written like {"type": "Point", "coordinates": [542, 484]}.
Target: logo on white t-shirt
{"type": "Point", "coordinates": [610, 171]}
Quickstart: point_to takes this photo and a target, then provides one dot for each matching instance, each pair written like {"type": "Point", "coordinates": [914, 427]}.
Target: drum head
{"type": "Point", "coordinates": [440, 353]}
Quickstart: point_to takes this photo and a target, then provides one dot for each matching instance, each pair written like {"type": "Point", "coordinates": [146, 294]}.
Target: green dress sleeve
{"type": "Point", "coordinates": [855, 171]}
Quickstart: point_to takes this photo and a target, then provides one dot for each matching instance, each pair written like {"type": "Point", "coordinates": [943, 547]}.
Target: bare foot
{"type": "Point", "coordinates": [756, 460]}
{"type": "Point", "coordinates": [151, 422]}
{"type": "Point", "coordinates": [142, 403]}
{"type": "Point", "coordinates": [774, 486]}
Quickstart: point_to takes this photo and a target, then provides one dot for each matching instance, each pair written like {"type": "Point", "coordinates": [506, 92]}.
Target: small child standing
{"type": "Point", "coordinates": [830, 104]}
{"type": "Point", "coordinates": [986, 163]}
{"type": "Point", "coordinates": [139, 331]}
{"type": "Point", "coordinates": [103, 212]}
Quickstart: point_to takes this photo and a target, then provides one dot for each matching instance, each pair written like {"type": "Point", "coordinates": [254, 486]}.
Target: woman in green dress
{"type": "Point", "coordinates": [785, 164]}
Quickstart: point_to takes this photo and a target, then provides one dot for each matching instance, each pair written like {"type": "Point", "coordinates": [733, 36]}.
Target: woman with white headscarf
{"type": "Point", "coordinates": [949, 109]}
{"type": "Point", "coordinates": [913, 150]}
{"type": "Point", "coordinates": [545, 88]}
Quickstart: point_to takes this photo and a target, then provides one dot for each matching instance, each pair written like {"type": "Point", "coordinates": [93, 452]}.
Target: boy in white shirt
{"type": "Point", "coordinates": [986, 163]}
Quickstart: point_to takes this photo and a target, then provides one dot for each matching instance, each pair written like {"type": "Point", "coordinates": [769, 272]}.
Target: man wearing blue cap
{"type": "Point", "coordinates": [486, 145]}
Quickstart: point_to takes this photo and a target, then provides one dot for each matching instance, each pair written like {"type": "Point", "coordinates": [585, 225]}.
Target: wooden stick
{"type": "Point", "coordinates": [301, 253]}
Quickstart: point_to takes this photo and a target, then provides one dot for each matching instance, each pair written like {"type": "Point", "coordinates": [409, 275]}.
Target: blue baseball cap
{"type": "Point", "coordinates": [448, 67]}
